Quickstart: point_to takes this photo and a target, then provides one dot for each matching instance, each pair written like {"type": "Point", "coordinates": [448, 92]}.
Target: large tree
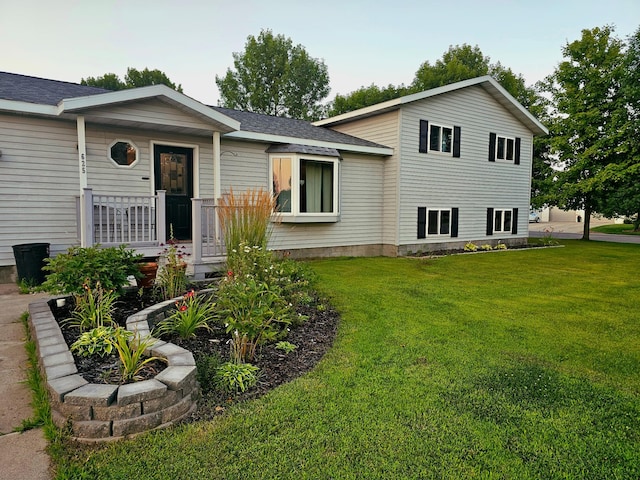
{"type": "Point", "coordinates": [134, 78]}
{"type": "Point", "coordinates": [458, 63]}
{"type": "Point", "coordinates": [275, 77]}
{"type": "Point", "coordinates": [585, 90]}
{"type": "Point", "coordinates": [620, 181]}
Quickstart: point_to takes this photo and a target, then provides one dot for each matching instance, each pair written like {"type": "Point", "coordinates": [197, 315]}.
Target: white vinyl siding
{"type": "Point", "coordinates": [38, 182]}
{"type": "Point", "coordinates": [469, 183]}
{"type": "Point", "coordinates": [383, 129]}
{"type": "Point", "coordinates": [361, 203]}
{"type": "Point", "coordinates": [152, 111]}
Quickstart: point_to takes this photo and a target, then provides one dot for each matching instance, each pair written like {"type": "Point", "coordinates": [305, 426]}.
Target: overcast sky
{"type": "Point", "coordinates": [362, 42]}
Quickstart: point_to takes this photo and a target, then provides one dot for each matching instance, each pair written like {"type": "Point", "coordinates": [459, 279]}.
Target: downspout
{"type": "Point", "coordinates": [82, 166]}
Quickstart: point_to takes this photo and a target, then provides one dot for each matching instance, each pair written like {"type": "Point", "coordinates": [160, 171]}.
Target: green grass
{"type": "Point", "coordinates": [618, 228]}
{"type": "Point", "coordinates": [517, 364]}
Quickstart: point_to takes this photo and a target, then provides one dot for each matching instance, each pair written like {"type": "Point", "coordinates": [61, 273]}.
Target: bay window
{"type": "Point", "coordinates": [305, 187]}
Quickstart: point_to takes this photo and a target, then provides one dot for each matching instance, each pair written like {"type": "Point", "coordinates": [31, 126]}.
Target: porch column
{"type": "Point", "coordinates": [82, 166]}
{"type": "Point", "coordinates": [216, 166]}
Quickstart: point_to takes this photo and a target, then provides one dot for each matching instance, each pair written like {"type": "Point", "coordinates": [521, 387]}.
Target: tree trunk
{"type": "Point", "coordinates": [587, 221]}
{"type": "Point", "coordinates": [636, 222]}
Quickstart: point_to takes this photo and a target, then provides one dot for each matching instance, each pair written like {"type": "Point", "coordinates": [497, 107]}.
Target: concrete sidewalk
{"type": "Point", "coordinates": [22, 455]}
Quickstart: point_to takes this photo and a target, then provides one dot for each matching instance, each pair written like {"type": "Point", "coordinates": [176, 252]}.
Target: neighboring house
{"type": "Point", "coordinates": [81, 165]}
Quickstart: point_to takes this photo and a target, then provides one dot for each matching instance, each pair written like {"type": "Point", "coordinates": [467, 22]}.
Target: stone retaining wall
{"type": "Point", "coordinates": [100, 412]}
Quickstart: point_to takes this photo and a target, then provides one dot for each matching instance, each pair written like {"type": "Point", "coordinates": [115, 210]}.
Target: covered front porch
{"type": "Point", "coordinates": [139, 221]}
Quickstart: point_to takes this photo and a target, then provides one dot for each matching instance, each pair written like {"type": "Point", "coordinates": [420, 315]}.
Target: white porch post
{"type": "Point", "coordinates": [216, 166]}
{"type": "Point", "coordinates": [82, 166]}
{"type": "Point", "coordinates": [196, 219]}
{"type": "Point", "coordinates": [161, 207]}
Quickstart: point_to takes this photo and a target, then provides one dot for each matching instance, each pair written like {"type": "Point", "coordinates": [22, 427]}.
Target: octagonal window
{"type": "Point", "coordinates": [123, 152]}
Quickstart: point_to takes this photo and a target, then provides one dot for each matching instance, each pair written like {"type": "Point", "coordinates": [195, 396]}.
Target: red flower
{"type": "Point", "coordinates": [189, 294]}
{"type": "Point", "coordinates": [183, 308]}
{"type": "Point", "coordinates": [230, 273]}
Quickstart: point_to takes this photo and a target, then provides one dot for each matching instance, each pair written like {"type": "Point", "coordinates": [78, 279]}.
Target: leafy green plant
{"type": "Point", "coordinates": [94, 308]}
{"type": "Point", "coordinates": [207, 371]}
{"type": "Point", "coordinates": [172, 277]}
{"type": "Point", "coordinates": [233, 377]}
{"type": "Point", "coordinates": [253, 311]}
{"type": "Point", "coordinates": [500, 246]}
{"type": "Point", "coordinates": [486, 247]}
{"type": "Point", "coordinates": [99, 341]}
{"type": "Point", "coordinates": [131, 352]}
{"type": "Point", "coordinates": [547, 239]}
{"type": "Point", "coordinates": [470, 247]}
{"type": "Point", "coordinates": [80, 266]}
{"type": "Point", "coordinates": [286, 347]}
{"type": "Point", "coordinates": [192, 313]}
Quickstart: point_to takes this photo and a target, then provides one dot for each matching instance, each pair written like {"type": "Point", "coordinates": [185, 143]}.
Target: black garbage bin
{"type": "Point", "coordinates": [29, 262]}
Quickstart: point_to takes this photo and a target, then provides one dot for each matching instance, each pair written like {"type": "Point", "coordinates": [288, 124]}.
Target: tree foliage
{"type": "Point", "coordinates": [364, 97]}
{"type": "Point", "coordinates": [588, 113]}
{"type": "Point", "coordinates": [134, 78]}
{"type": "Point", "coordinates": [457, 64]}
{"type": "Point", "coordinates": [275, 77]}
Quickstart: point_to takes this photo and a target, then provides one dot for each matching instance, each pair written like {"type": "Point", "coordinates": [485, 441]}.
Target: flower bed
{"type": "Point", "coordinates": [100, 412]}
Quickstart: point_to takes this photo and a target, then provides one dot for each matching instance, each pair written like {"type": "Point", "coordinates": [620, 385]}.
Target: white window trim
{"type": "Point", "coordinates": [123, 140]}
{"type": "Point", "coordinates": [495, 213]}
{"type": "Point", "coordinates": [513, 152]}
{"type": "Point", "coordinates": [439, 210]}
{"type": "Point", "coordinates": [295, 216]}
{"type": "Point", "coordinates": [441, 127]}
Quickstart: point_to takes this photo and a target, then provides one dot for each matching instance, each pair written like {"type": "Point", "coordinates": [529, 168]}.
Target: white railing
{"type": "Point", "coordinates": [208, 240]}
{"type": "Point", "coordinates": [136, 220]}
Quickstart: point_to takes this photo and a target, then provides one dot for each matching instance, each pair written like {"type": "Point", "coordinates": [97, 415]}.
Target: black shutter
{"type": "Point", "coordinates": [456, 141]}
{"type": "Point", "coordinates": [489, 221]}
{"type": "Point", "coordinates": [454, 222]}
{"type": "Point", "coordinates": [422, 222]}
{"type": "Point", "coordinates": [424, 134]}
{"type": "Point", "coordinates": [516, 160]}
{"type": "Point", "coordinates": [492, 147]}
{"type": "Point", "coordinates": [514, 221]}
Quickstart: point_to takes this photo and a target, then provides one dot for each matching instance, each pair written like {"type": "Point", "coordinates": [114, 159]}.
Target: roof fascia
{"type": "Point", "coordinates": [395, 103]}
{"type": "Point", "coordinates": [27, 107]}
{"type": "Point", "coordinates": [269, 138]}
{"type": "Point", "coordinates": [143, 93]}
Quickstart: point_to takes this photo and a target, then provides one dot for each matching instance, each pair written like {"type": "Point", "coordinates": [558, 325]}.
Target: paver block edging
{"type": "Point", "coordinates": [110, 412]}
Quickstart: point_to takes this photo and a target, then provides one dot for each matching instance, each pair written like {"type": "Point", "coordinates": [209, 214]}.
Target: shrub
{"type": "Point", "coordinates": [500, 246]}
{"type": "Point", "coordinates": [111, 266]}
{"type": "Point", "coordinates": [192, 313]}
{"type": "Point", "coordinates": [486, 247]}
{"type": "Point", "coordinates": [233, 377]}
{"type": "Point", "coordinates": [207, 372]}
{"type": "Point", "coordinates": [253, 311]}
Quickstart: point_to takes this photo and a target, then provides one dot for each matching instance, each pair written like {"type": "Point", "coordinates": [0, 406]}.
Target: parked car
{"type": "Point", "coordinates": [534, 217]}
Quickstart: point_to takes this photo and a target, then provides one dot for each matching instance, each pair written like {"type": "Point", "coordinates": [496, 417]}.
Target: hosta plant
{"type": "Point", "coordinates": [233, 377]}
{"type": "Point", "coordinates": [98, 341]}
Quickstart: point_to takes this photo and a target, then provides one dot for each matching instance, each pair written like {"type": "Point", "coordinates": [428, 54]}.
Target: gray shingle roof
{"type": "Point", "coordinates": [289, 127]}
{"type": "Point", "coordinates": [23, 88]}
{"type": "Point", "coordinates": [42, 91]}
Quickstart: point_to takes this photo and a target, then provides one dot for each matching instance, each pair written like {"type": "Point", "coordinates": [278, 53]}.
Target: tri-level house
{"type": "Point", "coordinates": [81, 165]}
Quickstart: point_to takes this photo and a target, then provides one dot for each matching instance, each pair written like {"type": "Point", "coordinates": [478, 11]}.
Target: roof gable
{"type": "Point", "coordinates": [487, 82]}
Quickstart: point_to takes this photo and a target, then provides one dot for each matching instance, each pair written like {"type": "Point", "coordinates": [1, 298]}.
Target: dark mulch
{"type": "Point", "coordinates": [313, 339]}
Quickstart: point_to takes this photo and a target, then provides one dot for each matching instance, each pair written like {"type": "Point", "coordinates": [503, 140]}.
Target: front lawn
{"type": "Point", "coordinates": [616, 228]}
{"type": "Point", "coordinates": [518, 364]}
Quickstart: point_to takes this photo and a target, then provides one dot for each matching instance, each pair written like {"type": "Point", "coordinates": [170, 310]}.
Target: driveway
{"type": "Point", "coordinates": [573, 230]}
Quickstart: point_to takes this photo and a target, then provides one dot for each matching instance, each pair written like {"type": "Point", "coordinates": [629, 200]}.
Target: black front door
{"type": "Point", "coordinates": [174, 174]}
